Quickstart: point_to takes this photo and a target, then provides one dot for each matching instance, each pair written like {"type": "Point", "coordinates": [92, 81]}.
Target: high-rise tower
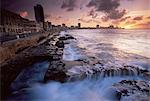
{"type": "Point", "coordinates": [39, 13]}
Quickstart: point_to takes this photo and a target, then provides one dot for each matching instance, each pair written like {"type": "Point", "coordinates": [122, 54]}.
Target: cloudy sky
{"type": "Point", "coordinates": [122, 13]}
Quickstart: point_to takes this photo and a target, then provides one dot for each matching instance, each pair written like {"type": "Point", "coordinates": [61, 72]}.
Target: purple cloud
{"type": "Point", "coordinates": [69, 5]}
{"type": "Point", "coordinates": [109, 7]}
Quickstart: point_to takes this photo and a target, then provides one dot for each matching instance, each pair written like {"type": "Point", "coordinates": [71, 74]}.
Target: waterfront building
{"type": "Point", "coordinates": [72, 27]}
{"type": "Point", "coordinates": [13, 23]}
{"type": "Point", "coordinates": [39, 13]}
{"type": "Point", "coordinates": [97, 26]}
{"type": "Point", "coordinates": [79, 25]}
{"type": "Point", "coordinates": [47, 26]}
{"type": "Point", "coordinates": [111, 27]}
{"type": "Point", "coordinates": [64, 26]}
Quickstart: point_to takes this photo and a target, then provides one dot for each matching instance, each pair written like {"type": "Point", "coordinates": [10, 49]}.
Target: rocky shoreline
{"type": "Point", "coordinates": [51, 49]}
{"type": "Point", "coordinates": [128, 90]}
{"type": "Point", "coordinates": [69, 71]}
{"type": "Point", "coordinates": [45, 49]}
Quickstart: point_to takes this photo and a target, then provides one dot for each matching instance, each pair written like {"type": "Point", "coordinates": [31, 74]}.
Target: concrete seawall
{"type": "Point", "coordinates": [10, 49]}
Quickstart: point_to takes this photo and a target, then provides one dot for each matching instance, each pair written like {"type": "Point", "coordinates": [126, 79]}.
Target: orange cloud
{"type": "Point", "coordinates": [145, 25]}
{"type": "Point", "coordinates": [148, 17]}
{"type": "Point", "coordinates": [24, 14]}
{"type": "Point", "coordinates": [131, 22]}
{"type": "Point", "coordinates": [123, 21]}
{"type": "Point", "coordinates": [138, 18]}
{"type": "Point", "coordinates": [125, 18]}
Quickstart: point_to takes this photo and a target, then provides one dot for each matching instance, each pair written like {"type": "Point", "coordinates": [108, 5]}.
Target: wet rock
{"type": "Point", "coordinates": [145, 72]}
{"type": "Point", "coordinates": [146, 75]}
{"type": "Point", "coordinates": [57, 57]}
{"type": "Point", "coordinates": [56, 72]}
{"type": "Point", "coordinates": [55, 75]}
{"type": "Point", "coordinates": [131, 90]}
{"type": "Point", "coordinates": [66, 37]}
{"type": "Point", "coordinates": [57, 64]}
{"type": "Point", "coordinates": [90, 60]}
{"type": "Point", "coordinates": [60, 44]}
{"type": "Point", "coordinates": [92, 69]}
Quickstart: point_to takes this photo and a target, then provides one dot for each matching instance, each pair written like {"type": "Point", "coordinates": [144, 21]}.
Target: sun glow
{"type": "Point", "coordinates": [128, 27]}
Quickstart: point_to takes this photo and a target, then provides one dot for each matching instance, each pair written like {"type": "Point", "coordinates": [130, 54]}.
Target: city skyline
{"type": "Point", "coordinates": [122, 13]}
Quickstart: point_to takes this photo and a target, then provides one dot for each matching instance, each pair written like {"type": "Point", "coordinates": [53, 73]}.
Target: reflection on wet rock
{"type": "Point", "coordinates": [129, 90]}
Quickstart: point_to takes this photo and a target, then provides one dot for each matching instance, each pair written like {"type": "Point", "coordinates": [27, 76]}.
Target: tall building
{"type": "Point", "coordinates": [79, 25]}
{"type": "Point", "coordinates": [39, 13]}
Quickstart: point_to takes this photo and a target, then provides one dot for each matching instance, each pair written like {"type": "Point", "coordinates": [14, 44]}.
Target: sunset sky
{"type": "Point", "coordinates": [122, 13]}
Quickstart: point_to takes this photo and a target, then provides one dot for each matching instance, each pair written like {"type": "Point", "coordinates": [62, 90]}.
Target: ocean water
{"type": "Point", "coordinates": [111, 47]}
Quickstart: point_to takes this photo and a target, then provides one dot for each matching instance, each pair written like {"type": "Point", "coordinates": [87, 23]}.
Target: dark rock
{"type": "Point", "coordinates": [62, 38]}
{"type": "Point", "coordinates": [55, 75]}
{"type": "Point", "coordinates": [144, 71]}
{"type": "Point", "coordinates": [145, 74]}
{"type": "Point", "coordinates": [118, 95]}
{"type": "Point", "coordinates": [60, 44]}
{"type": "Point", "coordinates": [66, 37]}
{"type": "Point", "coordinates": [57, 57]}
{"type": "Point", "coordinates": [132, 90]}
{"type": "Point", "coordinates": [56, 72]}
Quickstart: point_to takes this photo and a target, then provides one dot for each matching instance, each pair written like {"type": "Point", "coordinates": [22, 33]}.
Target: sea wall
{"type": "Point", "coordinates": [10, 49]}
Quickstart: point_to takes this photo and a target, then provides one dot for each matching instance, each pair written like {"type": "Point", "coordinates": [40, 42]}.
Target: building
{"type": "Point", "coordinates": [39, 13]}
{"type": "Point", "coordinates": [47, 26]}
{"type": "Point", "coordinates": [97, 26]}
{"type": "Point", "coordinates": [79, 25]}
{"type": "Point", "coordinates": [72, 27]}
{"type": "Point", "coordinates": [111, 27]}
{"type": "Point", "coordinates": [32, 26]}
{"type": "Point", "coordinates": [64, 26]}
{"type": "Point", "coordinates": [14, 24]}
